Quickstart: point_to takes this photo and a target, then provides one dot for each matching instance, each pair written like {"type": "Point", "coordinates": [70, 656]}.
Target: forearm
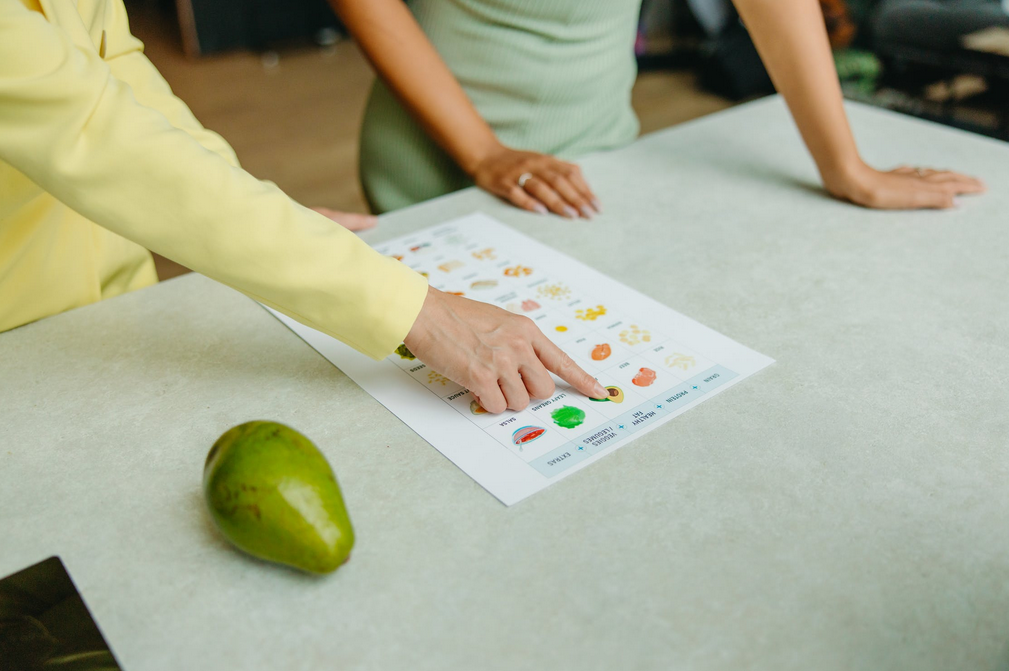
{"type": "Point", "coordinates": [792, 41]}
{"type": "Point", "coordinates": [409, 64]}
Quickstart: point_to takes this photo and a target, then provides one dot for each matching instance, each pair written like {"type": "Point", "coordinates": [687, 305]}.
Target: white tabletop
{"type": "Point", "coordinates": [843, 509]}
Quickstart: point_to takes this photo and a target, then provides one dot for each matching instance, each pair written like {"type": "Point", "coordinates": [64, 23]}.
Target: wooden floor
{"type": "Point", "coordinates": [295, 119]}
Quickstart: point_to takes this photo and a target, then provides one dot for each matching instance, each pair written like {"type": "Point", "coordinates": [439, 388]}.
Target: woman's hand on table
{"type": "Point", "coordinates": [536, 182]}
{"type": "Point", "coordinates": [792, 40]}
{"type": "Point", "coordinates": [904, 188]}
{"type": "Point", "coordinates": [503, 358]}
{"type": "Point", "coordinates": [411, 67]}
{"type": "Point", "coordinates": [353, 221]}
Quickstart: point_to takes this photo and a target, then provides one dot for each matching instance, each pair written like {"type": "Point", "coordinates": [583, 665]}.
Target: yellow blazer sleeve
{"type": "Point", "coordinates": [79, 133]}
{"type": "Point", "coordinates": [125, 57]}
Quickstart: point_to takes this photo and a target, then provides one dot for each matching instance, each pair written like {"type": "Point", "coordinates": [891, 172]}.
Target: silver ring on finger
{"type": "Point", "coordinates": [523, 178]}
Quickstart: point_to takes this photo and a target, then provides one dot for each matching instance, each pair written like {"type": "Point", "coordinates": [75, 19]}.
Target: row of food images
{"type": "Point", "coordinates": [569, 420]}
{"type": "Point", "coordinates": [478, 283]}
{"type": "Point", "coordinates": [572, 318]}
{"type": "Point", "coordinates": [674, 360]}
{"type": "Point", "coordinates": [458, 274]}
{"type": "Point", "coordinates": [565, 316]}
{"type": "Point", "coordinates": [648, 372]}
{"type": "Point", "coordinates": [474, 271]}
{"type": "Point", "coordinates": [567, 417]}
{"type": "Point", "coordinates": [426, 259]}
{"type": "Point", "coordinates": [516, 293]}
{"type": "Point", "coordinates": [632, 382]}
{"type": "Point", "coordinates": [413, 250]}
{"type": "Point", "coordinates": [598, 338]}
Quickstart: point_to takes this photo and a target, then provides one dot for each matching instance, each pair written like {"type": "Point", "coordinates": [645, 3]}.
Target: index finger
{"type": "Point", "coordinates": [561, 365]}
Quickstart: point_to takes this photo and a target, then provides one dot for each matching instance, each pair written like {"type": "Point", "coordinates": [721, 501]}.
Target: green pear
{"type": "Point", "coordinates": [272, 493]}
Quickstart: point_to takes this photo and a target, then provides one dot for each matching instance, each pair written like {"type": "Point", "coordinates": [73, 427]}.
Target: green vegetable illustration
{"type": "Point", "coordinates": [568, 416]}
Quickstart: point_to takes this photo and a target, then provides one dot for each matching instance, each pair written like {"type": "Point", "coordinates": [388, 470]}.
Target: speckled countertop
{"type": "Point", "coordinates": [843, 509]}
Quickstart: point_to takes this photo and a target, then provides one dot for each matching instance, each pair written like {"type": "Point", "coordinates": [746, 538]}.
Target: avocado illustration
{"type": "Point", "coordinates": [272, 494]}
{"type": "Point", "coordinates": [616, 395]}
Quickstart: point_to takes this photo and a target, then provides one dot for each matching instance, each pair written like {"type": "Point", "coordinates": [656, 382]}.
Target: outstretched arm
{"type": "Point", "coordinates": [792, 40]}
{"type": "Point", "coordinates": [79, 132]}
{"type": "Point", "coordinates": [411, 67]}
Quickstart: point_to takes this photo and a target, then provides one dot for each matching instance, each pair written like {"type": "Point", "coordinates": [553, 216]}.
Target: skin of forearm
{"type": "Point", "coordinates": [791, 38]}
{"type": "Point", "coordinates": [409, 64]}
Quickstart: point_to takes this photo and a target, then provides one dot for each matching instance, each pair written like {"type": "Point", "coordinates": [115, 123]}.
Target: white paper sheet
{"type": "Point", "coordinates": [662, 362]}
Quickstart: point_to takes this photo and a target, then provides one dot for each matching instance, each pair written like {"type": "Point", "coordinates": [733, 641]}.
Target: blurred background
{"type": "Point", "coordinates": [282, 82]}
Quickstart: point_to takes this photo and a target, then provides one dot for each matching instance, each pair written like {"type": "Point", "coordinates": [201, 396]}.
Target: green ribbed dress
{"type": "Point", "coordinates": [552, 76]}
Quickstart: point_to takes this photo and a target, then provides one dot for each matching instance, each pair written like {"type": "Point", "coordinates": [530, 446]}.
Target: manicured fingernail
{"type": "Point", "coordinates": [570, 212]}
{"type": "Point", "coordinates": [600, 391]}
{"type": "Point", "coordinates": [541, 208]}
{"type": "Point", "coordinates": [587, 211]}
{"type": "Point", "coordinates": [595, 204]}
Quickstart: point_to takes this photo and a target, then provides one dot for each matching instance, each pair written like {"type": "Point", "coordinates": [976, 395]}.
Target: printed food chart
{"type": "Point", "coordinates": [655, 362]}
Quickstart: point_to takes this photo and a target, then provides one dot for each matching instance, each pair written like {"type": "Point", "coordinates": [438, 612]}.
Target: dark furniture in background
{"type": "Point", "coordinates": [923, 41]}
{"type": "Point", "coordinates": [210, 26]}
{"type": "Point", "coordinates": [917, 43]}
{"type": "Point", "coordinates": [905, 55]}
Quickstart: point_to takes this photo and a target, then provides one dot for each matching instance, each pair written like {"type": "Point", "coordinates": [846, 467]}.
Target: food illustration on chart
{"type": "Point", "coordinates": [644, 377]}
{"type": "Point", "coordinates": [653, 361]}
{"type": "Point", "coordinates": [527, 434]}
{"type": "Point", "coordinates": [437, 378]}
{"type": "Point", "coordinates": [568, 416]}
{"type": "Point", "coordinates": [590, 314]}
{"type": "Point", "coordinates": [615, 396]}
{"type": "Point", "coordinates": [554, 292]}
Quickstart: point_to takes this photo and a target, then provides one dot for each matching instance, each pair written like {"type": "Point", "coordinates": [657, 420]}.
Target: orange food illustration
{"type": "Point", "coordinates": [600, 352]}
{"type": "Point", "coordinates": [518, 271]}
{"type": "Point", "coordinates": [644, 377]}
